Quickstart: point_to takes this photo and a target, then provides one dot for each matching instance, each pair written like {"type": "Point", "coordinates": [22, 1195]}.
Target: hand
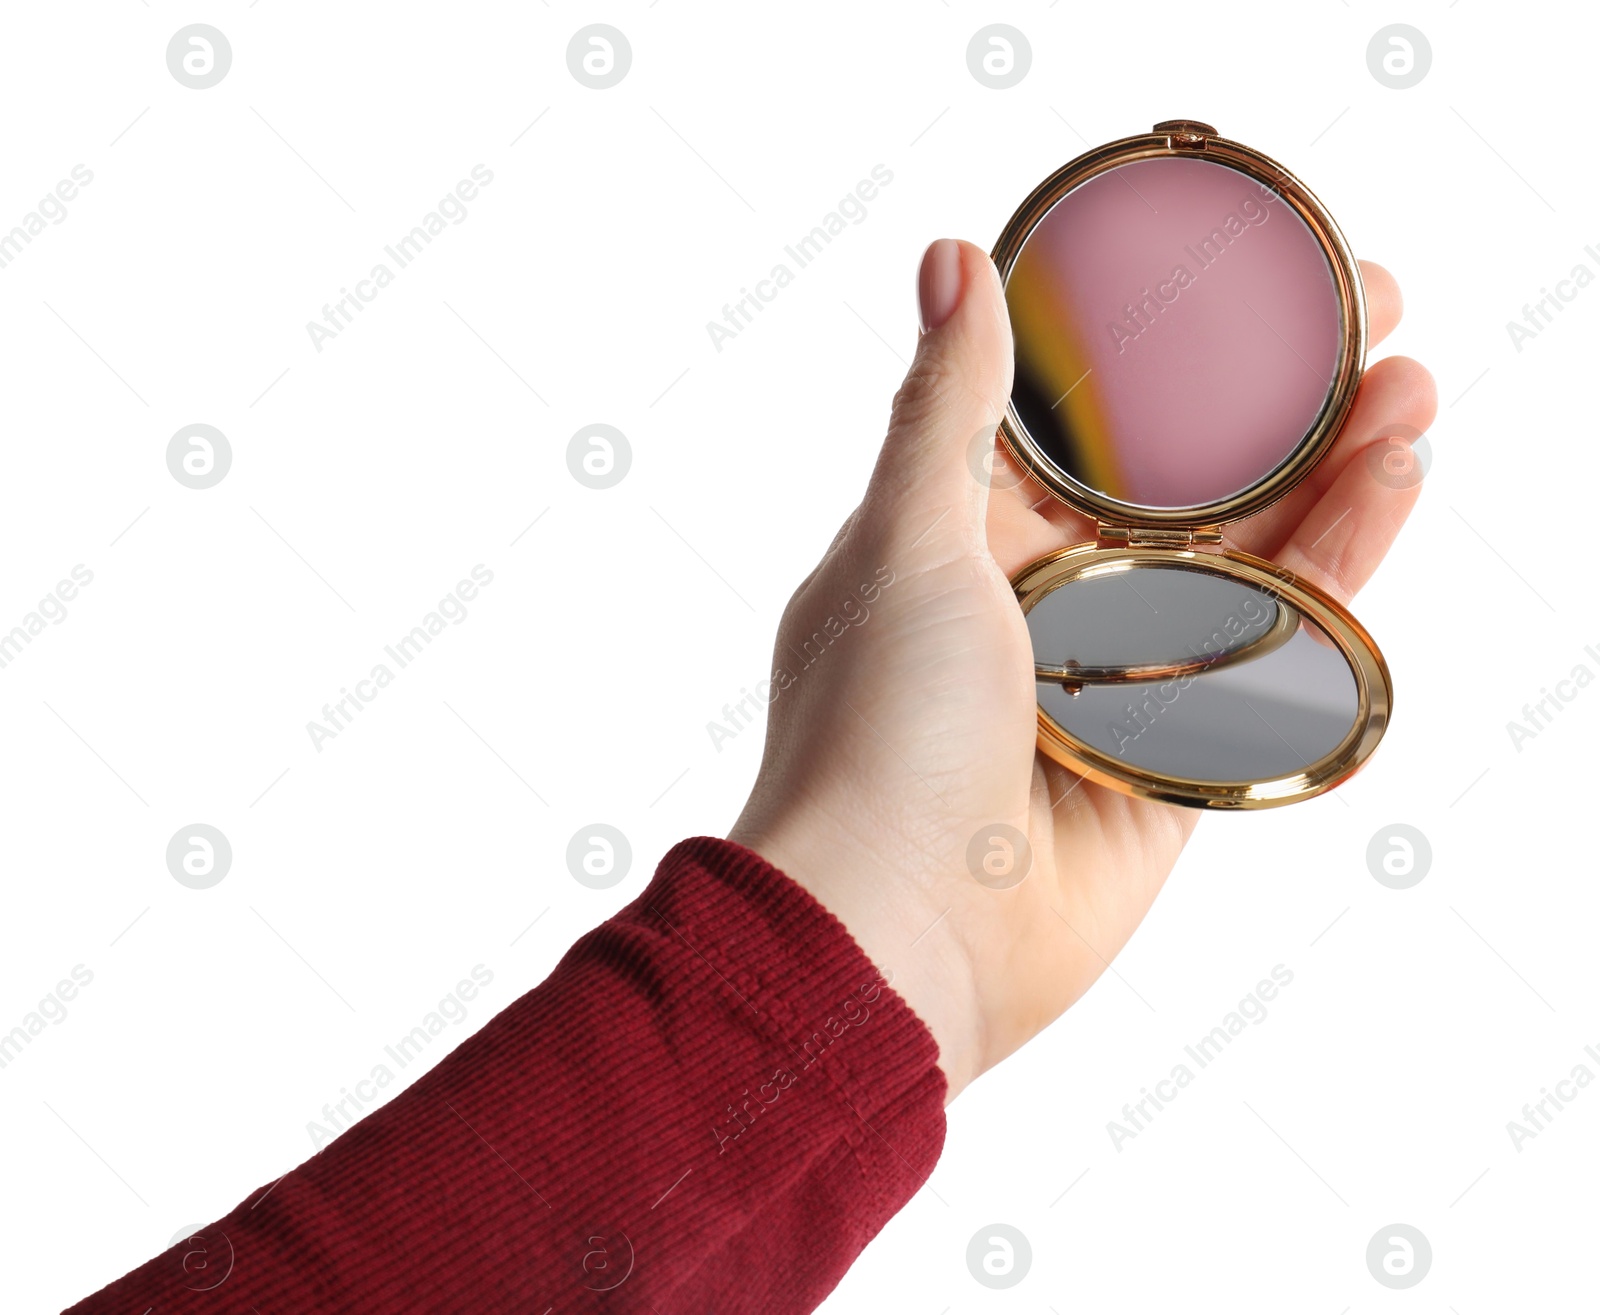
{"type": "Point", "coordinates": [908, 720]}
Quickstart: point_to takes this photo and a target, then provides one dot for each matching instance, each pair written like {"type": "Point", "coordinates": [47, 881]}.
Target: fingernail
{"type": "Point", "coordinates": [939, 283]}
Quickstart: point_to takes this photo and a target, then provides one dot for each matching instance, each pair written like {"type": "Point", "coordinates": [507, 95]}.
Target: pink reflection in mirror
{"type": "Point", "coordinates": [1177, 332]}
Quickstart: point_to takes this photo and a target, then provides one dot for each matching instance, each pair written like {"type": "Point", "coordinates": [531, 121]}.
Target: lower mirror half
{"type": "Point", "coordinates": [1200, 678]}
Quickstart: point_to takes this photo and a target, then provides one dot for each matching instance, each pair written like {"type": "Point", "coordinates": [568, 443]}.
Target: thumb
{"type": "Point", "coordinates": [937, 454]}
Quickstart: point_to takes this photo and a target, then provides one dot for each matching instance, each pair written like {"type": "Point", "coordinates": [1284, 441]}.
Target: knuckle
{"type": "Point", "coordinates": [923, 392]}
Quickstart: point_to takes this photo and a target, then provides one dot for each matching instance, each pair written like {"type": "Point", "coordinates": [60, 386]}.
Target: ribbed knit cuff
{"type": "Point", "coordinates": [802, 979]}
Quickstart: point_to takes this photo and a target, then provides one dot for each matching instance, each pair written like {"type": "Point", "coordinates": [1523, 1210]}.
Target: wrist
{"type": "Point", "coordinates": [906, 935]}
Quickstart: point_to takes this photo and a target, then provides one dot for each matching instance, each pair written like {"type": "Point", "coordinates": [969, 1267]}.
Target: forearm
{"type": "Point", "coordinates": [700, 1077]}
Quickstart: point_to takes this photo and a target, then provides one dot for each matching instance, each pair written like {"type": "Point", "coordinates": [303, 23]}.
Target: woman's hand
{"type": "Point", "coordinates": [908, 732]}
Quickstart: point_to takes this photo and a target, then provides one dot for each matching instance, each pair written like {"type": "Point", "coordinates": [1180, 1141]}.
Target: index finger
{"type": "Point", "coordinates": [1384, 305]}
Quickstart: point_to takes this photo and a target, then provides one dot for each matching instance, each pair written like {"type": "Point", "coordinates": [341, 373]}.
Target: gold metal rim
{"type": "Point", "coordinates": [1374, 690]}
{"type": "Point", "coordinates": [1352, 312]}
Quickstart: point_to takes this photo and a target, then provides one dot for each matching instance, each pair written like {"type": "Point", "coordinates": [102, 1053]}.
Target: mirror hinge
{"type": "Point", "coordinates": [1185, 134]}
{"type": "Point", "coordinates": [1159, 536]}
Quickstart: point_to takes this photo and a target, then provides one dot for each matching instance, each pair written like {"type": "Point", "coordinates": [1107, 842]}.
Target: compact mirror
{"type": "Point", "coordinates": [1190, 329]}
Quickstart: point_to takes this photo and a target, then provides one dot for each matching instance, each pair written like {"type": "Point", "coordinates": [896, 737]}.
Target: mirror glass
{"type": "Point", "coordinates": [1261, 692]}
{"type": "Point", "coordinates": [1177, 330]}
{"type": "Point", "coordinates": [1117, 622]}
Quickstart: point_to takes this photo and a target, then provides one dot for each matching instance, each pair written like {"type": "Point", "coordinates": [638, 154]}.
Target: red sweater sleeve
{"type": "Point", "coordinates": [713, 1103]}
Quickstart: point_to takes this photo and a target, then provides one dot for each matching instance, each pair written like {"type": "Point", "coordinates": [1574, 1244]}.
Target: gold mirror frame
{"type": "Point", "coordinates": [1374, 689]}
{"type": "Point", "coordinates": [1185, 138]}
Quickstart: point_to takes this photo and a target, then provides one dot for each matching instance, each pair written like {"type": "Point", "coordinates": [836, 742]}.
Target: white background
{"type": "Point", "coordinates": [427, 437]}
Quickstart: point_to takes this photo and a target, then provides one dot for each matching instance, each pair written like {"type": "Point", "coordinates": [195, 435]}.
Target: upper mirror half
{"type": "Point", "coordinates": [1177, 330]}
